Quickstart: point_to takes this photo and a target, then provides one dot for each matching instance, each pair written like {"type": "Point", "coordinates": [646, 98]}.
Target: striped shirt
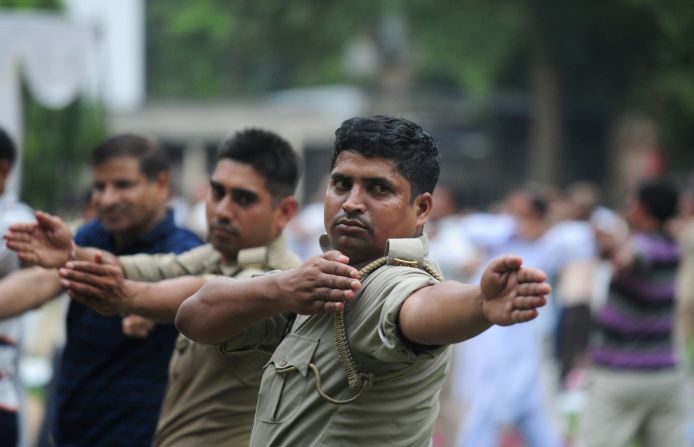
{"type": "Point", "coordinates": [110, 387]}
{"type": "Point", "coordinates": [634, 330]}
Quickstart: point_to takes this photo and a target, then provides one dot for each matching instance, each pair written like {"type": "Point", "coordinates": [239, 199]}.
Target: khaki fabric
{"type": "Point", "coordinates": [402, 404]}
{"type": "Point", "coordinates": [210, 398]}
{"type": "Point", "coordinates": [684, 291]}
{"type": "Point", "coordinates": [625, 407]}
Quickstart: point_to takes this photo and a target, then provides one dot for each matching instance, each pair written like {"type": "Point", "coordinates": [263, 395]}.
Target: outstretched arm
{"type": "Point", "coordinates": [450, 312]}
{"type": "Point", "coordinates": [27, 289]}
{"type": "Point", "coordinates": [47, 242]}
{"type": "Point", "coordinates": [101, 285]}
{"type": "Point", "coordinates": [224, 307]}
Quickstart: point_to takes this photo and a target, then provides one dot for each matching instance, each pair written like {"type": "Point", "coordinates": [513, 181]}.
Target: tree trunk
{"type": "Point", "coordinates": [545, 136]}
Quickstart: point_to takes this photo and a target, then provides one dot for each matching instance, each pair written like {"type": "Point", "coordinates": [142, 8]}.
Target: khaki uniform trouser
{"type": "Point", "coordinates": [649, 407]}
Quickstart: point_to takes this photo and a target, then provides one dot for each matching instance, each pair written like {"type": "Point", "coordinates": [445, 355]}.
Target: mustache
{"type": "Point", "coordinates": [112, 209]}
{"type": "Point", "coordinates": [344, 218]}
{"type": "Point", "coordinates": [224, 226]}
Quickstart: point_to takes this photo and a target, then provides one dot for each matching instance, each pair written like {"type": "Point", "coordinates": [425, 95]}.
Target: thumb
{"type": "Point", "coordinates": [334, 255]}
{"type": "Point", "coordinates": [506, 263]}
{"type": "Point", "coordinates": [46, 220]}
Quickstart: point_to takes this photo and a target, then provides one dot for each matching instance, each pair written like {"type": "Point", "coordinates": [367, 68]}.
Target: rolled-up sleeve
{"type": "Point", "coordinates": [158, 267]}
{"type": "Point", "coordinates": [375, 329]}
{"type": "Point", "coordinates": [264, 335]}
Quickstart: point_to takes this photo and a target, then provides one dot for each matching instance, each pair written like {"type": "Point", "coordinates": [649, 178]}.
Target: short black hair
{"type": "Point", "coordinates": [153, 159]}
{"type": "Point", "coordinates": [659, 198]}
{"type": "Point", "coordinates": [8, 151]}
{"type": "Point", "coordinates": [269, 154]}
{"type": "Point", "coordinates": [539, 202]}
{"type": "Point", "coordinates": [415, 153]}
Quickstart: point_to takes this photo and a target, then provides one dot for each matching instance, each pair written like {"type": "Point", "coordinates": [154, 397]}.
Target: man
{"type": "Point", "coordinates": [210, 399]}
{"type": "Point", "coordinates": [110, 386]}
{"type": "Point", "coordinates": [398, 319]}
{"type": "Point", "coordinates": [11, 211]}
{"type": "Point", "coordinates": [636, 389]}
{"type": "Point", "coordinates": [494, 399]}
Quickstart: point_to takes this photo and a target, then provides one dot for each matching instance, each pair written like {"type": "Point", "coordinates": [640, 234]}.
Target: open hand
{"type": "Point", "coordinates": [99, 284]}
{"type": "Point", "coordinates": [321, 284]}
{"type": "Point", "coordinates": [511, 293]}
{"type": "Point", "coordinates": [46, 242]}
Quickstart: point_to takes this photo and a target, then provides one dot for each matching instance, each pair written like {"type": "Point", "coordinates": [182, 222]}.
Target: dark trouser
{"type": "Point", "coordinates": [9, 428]}
{"type": "Point", "coordinates": [572, 343]}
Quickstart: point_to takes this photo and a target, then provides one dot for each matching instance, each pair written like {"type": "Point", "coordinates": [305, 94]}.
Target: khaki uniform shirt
{"type": "Point", "coordinates": [210, 399]}
{"type": "Point", "coordinates": [399, 408]}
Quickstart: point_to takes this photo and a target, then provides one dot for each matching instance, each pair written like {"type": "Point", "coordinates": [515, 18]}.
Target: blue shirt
{"type": "Point", "coordinates": [110, 387]}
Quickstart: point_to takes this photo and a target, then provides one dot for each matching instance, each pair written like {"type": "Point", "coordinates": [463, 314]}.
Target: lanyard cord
{"type": "Point", "coordinates": [357, 380]}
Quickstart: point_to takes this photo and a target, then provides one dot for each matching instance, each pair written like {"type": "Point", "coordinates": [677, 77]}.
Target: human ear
{"type": "Point", "coordinates": [286, 209]}
{"type": "Point", "coordinates": [5, 168]}
{"type": "Point", "coordinates": [163, 180]}
{"type": "Point", "coordinates": [423, 204]}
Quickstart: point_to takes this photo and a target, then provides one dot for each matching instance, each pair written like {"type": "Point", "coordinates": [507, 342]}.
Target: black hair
{"type": "Point", "coordinates": [153, 160]}
{"type": "Point", "coordinates": [659, 198]}
{"type": "Point", "coordinates": [538, 201]}
{"type": "Point", "coordinates": [414, 152]}
{"type": "Point", "coordinates": [269, 154]}
{"type": "Point", "coordinates": [8, 151]}
{"type": "Point", "coordinates": [535, 195]}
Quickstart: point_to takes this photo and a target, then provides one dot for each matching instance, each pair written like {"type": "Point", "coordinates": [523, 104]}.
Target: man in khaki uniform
{"type": "Point", "coordinates": [210, 399]}
{"type": "Point", "coordinates": [382, 387]}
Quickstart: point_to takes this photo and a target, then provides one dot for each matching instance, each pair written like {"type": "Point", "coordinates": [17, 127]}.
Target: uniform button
{"type": "Point", "coordinates": [283, 363]}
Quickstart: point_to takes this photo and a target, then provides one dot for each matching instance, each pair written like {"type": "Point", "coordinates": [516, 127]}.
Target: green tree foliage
{"type": "Point", "coordinates": [612, 58]}
{"type": "Point", "coordinates": [217, 48]}
{"type": "Point", "coordinates": [29, 4]}
{"type": "Point", "coordinates": [56, 147]}
{"type": "Point", "coordinates": [473, 45]}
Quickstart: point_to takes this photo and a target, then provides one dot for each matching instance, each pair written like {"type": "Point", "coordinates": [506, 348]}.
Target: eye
{"type": "Point", "coordinates": [380, 188]}
{"type": "Point", "coordinates": [217, 191]}
{"type": "Point", "coordinates": [124, 184]}
{"type": "Point", "coordinates": [341, 184]}
{"type": "Point", "coordinates": [98, 187]}
{"type": "Point", "coordinates": [244, 198]}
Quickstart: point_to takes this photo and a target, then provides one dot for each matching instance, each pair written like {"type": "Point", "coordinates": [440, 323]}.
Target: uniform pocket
{"type": "Point", "coordinates": [286, 379]}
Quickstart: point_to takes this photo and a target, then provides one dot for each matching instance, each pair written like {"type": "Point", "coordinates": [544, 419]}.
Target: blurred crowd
{"type": "Point", "coordinates": [617, 336]}
{"type": "Point", "coordinates": [530, 384]}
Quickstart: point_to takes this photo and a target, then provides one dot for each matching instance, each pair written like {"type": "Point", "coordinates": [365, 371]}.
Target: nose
{"type": "Point", "coordinates": [354, 203]}
{"type": "Point", "coordinates": [224, 209]}
{"type": "Point", "coordinates": [108, 197]}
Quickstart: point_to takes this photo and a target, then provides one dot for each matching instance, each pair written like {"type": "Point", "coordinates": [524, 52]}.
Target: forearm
{"type": "Point", "coordinates": [27, 289]}
{"type": "Point", "coordinates": [223, 307]}
{"type": "Point", "coordinates": [90, 254]}
{"type": "Point", "coordinates": [160, 301]}
{"type": "Point", "coordinates": [445, 313]}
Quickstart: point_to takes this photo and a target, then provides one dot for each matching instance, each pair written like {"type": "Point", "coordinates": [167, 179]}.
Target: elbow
{"type": "Point", "coordinates": [185, 319]}
{"type": "Point", "coordinates": [190, 321]}
{"type": "Point", "coordinates": [196, 318]}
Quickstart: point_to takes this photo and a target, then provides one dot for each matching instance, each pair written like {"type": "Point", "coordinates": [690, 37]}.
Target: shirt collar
{"type": "Point", "coordinates": [420, 245]}
{"type": "Point", "coordinates": [161, 230]}
{"type": "Point", "coordinates": [271, 256]}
